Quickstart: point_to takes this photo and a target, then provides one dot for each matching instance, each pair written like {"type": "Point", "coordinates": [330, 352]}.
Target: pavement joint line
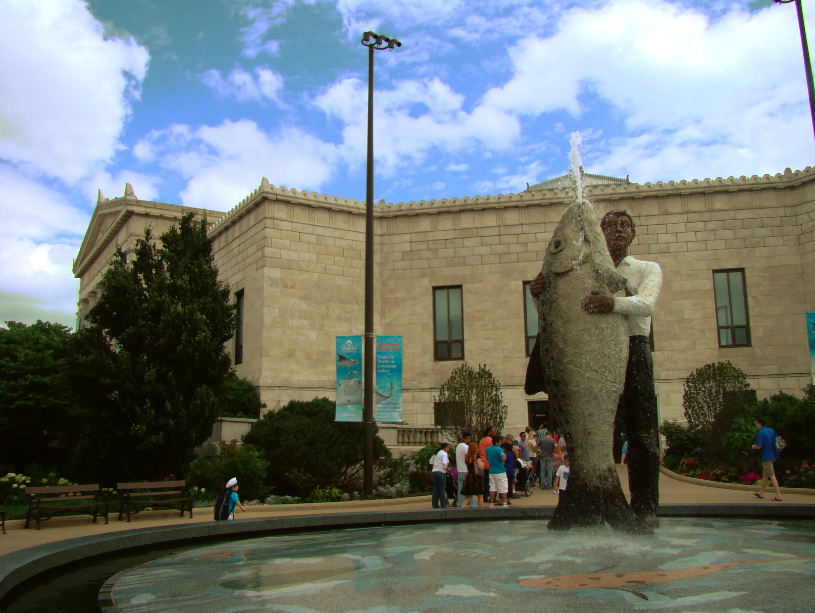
{"type": "Point", "coordinates": [18, 566]}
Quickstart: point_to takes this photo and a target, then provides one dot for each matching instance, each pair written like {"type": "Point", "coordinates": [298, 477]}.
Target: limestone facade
{"type": "Point", "coordinates": [299, 259]}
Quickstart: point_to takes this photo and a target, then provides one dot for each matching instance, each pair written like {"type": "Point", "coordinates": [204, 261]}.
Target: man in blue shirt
{"type": "Point", "coordinates": [498, 472]}
{"type": "Point", "coordinates": [765, 441]}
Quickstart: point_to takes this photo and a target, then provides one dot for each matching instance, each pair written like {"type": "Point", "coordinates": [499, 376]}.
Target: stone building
{"type": "Point", "coordinates": [736, 254]}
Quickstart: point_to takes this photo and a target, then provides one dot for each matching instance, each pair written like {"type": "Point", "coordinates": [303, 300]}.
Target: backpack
{"type": "Point", "coordinates": [222, 506]}
{"type": "Point", "coordinates": [780, 443]}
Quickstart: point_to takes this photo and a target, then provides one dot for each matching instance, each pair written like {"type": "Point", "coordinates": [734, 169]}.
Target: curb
{"type": "Point", "coordinates": [18, 566]}
{"type": "Point", "coordinates": [732, 486]}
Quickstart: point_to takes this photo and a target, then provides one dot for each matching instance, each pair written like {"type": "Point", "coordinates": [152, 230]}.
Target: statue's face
{"type": "Point", "coordinates": [618, 230]}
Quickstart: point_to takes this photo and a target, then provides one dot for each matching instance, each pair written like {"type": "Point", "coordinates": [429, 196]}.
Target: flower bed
{"type": "Point", "coordinates": [802, 475]}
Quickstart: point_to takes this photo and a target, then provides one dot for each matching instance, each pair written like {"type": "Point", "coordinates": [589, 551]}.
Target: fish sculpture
{"type": "Point", "coordinates": [583, 358]}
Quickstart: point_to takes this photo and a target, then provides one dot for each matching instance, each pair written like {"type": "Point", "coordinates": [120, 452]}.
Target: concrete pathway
{"type": "Point", "coordinates": [62, 528]}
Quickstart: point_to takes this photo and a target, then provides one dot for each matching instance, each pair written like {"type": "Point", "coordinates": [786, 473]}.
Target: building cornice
{"type": "Point", "coordinates": [544, 197]}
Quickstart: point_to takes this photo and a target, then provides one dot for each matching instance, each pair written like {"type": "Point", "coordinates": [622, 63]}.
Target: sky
{"type": "Point", "coordinates": [194, 101]}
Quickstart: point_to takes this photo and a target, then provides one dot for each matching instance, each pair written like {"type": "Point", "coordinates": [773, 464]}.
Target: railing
{"type": "Point", "coordinates": [408, 436]}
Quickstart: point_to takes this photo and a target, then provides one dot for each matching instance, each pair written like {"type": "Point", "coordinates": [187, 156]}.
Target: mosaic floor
{"type": "Point", "coordinates": [738, 566]}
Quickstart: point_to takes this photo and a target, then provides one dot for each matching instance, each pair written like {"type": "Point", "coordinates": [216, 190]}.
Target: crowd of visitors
{"type": "Point", "coordinates": [487, 472]}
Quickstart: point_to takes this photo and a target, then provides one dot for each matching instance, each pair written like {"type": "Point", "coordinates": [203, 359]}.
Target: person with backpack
{"type": "Point", "coordinates": [765, 441]}
{"type": "Point", "coordinates": [232, 488]}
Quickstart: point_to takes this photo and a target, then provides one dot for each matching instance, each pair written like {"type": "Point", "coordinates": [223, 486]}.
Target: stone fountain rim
{"type": "Point", "coordinates": [19, 566]}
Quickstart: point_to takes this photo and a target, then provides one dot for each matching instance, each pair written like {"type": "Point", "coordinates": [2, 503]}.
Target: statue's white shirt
{"type": "Point", "coordinates": [643, 280]}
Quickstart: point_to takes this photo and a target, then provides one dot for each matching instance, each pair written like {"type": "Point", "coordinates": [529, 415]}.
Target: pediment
{"type": "Point", "coordinates": [103, 218]}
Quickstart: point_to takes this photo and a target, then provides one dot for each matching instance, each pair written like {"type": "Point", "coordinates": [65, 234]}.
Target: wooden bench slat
{"type": "Point", "coordinates": [157, 497]}
{"type": "Point", "coordinates": [62, 489]}
{"type": "Point", "coordinates": [145, 485]}
{"type": "Point", "coordinates": [51, 499]}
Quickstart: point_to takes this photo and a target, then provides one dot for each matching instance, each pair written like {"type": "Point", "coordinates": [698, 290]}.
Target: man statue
{"type": "Point", "coordinates": [638, 403]}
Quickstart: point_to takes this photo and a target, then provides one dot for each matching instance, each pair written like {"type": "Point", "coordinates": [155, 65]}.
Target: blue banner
{"type": "Point", "coordinates": [349, 378]}
{"type": "Point", "coordinates": [389, 378]}
{"type": "Point", "coordinates": [811, 338]}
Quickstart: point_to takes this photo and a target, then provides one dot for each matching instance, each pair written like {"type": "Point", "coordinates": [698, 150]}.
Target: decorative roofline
{"type": "Point", "coordinates": [267, 191]}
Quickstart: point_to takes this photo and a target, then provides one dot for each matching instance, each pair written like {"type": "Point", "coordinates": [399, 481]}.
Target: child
{"type": "Point", "coordinates": [562, 475]}
{"type": "Point", "coordinates": [232, 485]}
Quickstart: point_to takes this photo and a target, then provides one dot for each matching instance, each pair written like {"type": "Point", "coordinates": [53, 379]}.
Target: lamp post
{"type": "Point", "coordinates": [807, 62]}
{"type": "Point", "coordinates": [373, 42]}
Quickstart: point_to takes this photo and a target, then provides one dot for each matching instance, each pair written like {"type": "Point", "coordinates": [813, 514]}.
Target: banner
{"type": "Point", "coordinates": [388, 378]}
{"type": "Point", "coordinates": [811, 338]}
{"type": "Point", "coordinates": [349, 378]}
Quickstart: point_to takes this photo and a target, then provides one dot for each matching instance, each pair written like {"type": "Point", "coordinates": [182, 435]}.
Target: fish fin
{"type": "Point", "coordinates": [535, 379]}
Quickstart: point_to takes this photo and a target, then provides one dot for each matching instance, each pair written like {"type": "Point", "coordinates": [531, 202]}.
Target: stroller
{"type": "Point", "coordinates": [523, 478]}
{"type": "Point", "coordinates": [451, 488]}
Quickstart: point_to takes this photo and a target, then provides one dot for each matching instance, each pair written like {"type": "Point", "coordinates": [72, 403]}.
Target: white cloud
{"type": "Point", "coordinates": [698, 96]}
{"type": "Point", "coordinates": [262, 20]}
{"type": "Point", "coordinates": [65, 92]}
{"type": "Point", "coordinates": [412, 119]}
{"type": "Point", "coordinates": [405, 12]}
{"type": "Point", "coordinates": [145, 186]}
{"type": "Point", "coordinates": [457, 167]}
{"type": "Point", "coordinates": [243, 86]}
{"type": "Point", "coordinates": [39, 238]}
{"type": "Point", "coordinates": [224, 163]}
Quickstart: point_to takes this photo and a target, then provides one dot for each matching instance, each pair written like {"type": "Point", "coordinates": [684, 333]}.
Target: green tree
{"type": "Point", "coordinates": [307, 448]}
{"type": "Point", "coordinates": [38, 411]}
{"type": "Point", "coordinates": [470, 400]}
{"type": "Point", "coordinates": [243, 462]}
{"type": "Point", "coordinates": [715, 395]}
{"type": "Point", "coordinates": [238, 398]}
{"type": "Point", "coordinates": [794, 419]}
{"type": "Point", "coordinates": [152, 359]}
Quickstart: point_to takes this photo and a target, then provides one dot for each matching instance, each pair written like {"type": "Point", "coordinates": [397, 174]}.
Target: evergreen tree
{"type": "Point", "coordinates": [152, 362]}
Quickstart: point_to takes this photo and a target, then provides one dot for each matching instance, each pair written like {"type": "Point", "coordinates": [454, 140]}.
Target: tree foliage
{"type": "Point", "coordinates": [239, 398]}
{"type": "Point", "coordinates": [715, 395]}
{"type": "Point", "coordinates": [153, 357]}
{"type": "Point", "coordinates": [38, 411]}
{"type": "Point", "coordinates": [794, 419]}
{"type": "Point", "coordinates": [243, 462]}
{"type": "Point", "coordinates": [470, 400]}
{"type": "Point", "coordinates": [308, 449]}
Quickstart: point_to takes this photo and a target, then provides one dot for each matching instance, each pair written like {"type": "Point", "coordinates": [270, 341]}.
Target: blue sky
{"type": "Point", "coordinates": [194, 102]}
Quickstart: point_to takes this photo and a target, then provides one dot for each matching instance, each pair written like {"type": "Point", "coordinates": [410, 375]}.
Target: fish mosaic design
{"type": "Point", "coordinates": [584, 358]}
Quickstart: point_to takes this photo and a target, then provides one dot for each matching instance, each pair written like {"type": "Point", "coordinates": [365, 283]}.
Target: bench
{"type": "Point", "coordinates": [155, 494]}
{"type": "Point", "coordinates": [54, 499]}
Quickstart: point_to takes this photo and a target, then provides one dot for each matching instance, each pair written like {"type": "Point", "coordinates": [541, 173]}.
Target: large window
{"type": "Point", "coordinates": [530, 319]}
{"type": "Point", "coordinates": [448, 323]}
{"type": "Point", "coordinates": [239, 330]}
{"type": "Point", "coordinates": [732, 318]}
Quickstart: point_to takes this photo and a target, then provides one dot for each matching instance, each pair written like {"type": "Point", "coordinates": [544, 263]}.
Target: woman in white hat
{"type": "Point", "coordinates": [232, 485]}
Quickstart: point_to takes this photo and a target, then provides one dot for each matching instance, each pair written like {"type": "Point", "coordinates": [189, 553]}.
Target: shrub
{"type": "Point", "coordinates": [309, 449]}
{"type": "Point", "coordinates": [238, 398]}
{"type": "Point", "coordinates": [328, 494]}
{"type": "Point", "coordinates": [394, 470]}
{"type": "Point", "coordinates": [802, 475]}
{"type": "Point", "coordinates": [282, 500]}
{"type": "Point", "coordinates": [421, 459]}
{"type": "Point", "coordinates": [420, 481]}
{"type": "Point", "coordinates": [679, 440]}
{"type": "Point", "coordinates": [749, 478]}
{"type": "Point", "coordinates": [397, 490]}
{"type": "Point", "coordinates": [470, 400]}
{"type": "Point", "coordinates": [244, 463]}
{"type": "Point", "coordinates": [794, 419]}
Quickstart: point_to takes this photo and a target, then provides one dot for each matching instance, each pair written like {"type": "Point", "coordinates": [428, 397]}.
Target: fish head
{"type": "Point", "coordinates": [568, 248]}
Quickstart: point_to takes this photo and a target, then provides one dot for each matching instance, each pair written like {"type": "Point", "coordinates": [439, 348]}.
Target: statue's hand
{"type": "Point", "coordinates": [598, 303]}
{"type": "Point", "coordinates": [537, 285]}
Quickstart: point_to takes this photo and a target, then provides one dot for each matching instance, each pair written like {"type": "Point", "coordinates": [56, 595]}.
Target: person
{"type": "Point", "coordinates": [234, 501]}
{"type": "Point", "coordinates": [509, 467]}
{"type": "Point", "coordinates": [561, 442]}
{"type": "Point", "coordinates": [637, 408]}
{"type": "Point", "coordinates": [440, 464]}
{"type": "Point", "coordinates": [497, 471]}
{"type": "Point", "coordinates": [624, 453]}
{"type": "Point", "coordinates": [483, 445]}
{"type": "Point", "coordinates": [562, 475]}
{"type": "Point", "coordinates": [534, 454]}
{"type": "Point", "coordinates": [461, 465]}
{"type": "Point", "coordinates": [547, 447]}
{"type": "Point", "coordinates": [557, 462]}
{"type": "Point", "coordinates": [473, 487]}
{"type": "Point", "coordinates": [765, 441]}
{"type": "Point", "coordinates": [523, 448]}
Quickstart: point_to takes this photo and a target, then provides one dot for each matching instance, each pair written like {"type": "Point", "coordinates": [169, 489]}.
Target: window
{"type": "Point", "coordinates": [448, 323]}
{"type": "Point", "coordinates": [239, 329]}
{"type": "Point", "coordinates": [732, 318]}
{"type": "Point", "coordinates": [530, 319]}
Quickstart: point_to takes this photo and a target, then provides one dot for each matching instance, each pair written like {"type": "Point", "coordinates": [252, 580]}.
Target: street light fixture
{"type": "Point", "coordinates": [807, 62]}
{"type": "Point", "coordinates": [374, 42]}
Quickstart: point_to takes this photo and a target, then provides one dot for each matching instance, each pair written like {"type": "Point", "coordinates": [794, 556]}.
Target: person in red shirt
{"type": "Point", "coordinates": [485, 442]}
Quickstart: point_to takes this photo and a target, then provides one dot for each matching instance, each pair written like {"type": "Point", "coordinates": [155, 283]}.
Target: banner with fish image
{"type": "Point", "coordinates": [349, 378]}
{"type": "Point", "coordinates": [811, 338]}
{"type": "Point", "coordinates": [389, 378]}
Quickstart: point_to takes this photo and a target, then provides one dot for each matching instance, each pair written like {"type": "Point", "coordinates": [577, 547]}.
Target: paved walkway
{"type": "Point", "coordinates": [62, 528]}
